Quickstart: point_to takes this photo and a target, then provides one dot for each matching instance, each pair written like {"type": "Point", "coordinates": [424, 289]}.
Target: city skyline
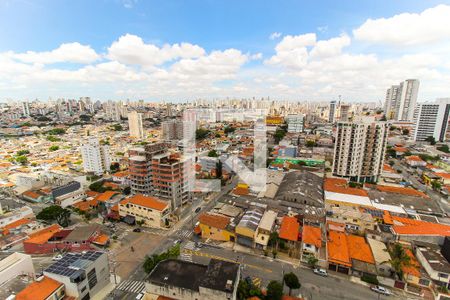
{"type": "Point", "coordinates": [179, 51]}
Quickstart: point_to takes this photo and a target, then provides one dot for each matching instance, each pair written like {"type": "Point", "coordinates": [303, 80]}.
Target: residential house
{"type": "Point", "coordinates": [415, 161]}
{"type": "Point", "coordinates": [247, 227]}
{"type": "Point", "coordinates": [354, 219]}
{"type": "Point", "coordinates": [289, 233]}
{"type": "Point", "coordinates": [264, 229]}
{"type": "Point", "coordinates": [216, 227]}
{"type": "Point", "coordinates": [434, 263]}
{"type": "Point", "coordinates": [311, 242]}
{"type": "Point", "coordinates": [151, 211]}
{"type": "Point", "coordinates": [44, 288]}
{"type": "Point", "coordinates": [381, 257]}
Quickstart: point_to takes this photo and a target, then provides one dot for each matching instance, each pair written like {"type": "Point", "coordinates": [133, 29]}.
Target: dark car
{"type": "Point", "coordinates": [198, 209]}
{"type": "Point", "coordinates": [137, 230]}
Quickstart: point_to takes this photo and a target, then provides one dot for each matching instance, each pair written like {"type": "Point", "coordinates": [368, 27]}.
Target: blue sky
{"type": "Point", "coordinates": [235, 57]}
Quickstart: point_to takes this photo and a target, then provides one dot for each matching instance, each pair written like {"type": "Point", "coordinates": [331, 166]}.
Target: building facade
{"type": "Point", "coordinates": [135, 125]}
{"type": "Point", "coordinates": [431, 119]}
{"type": "Point", "coordinates": [401, 100]}
{"type": "Point", "coordinates": [360, 148]}
{"type": "Point", "coordinates": [96, 157]}
{"type": "Point", "coordinates": [172, 130]}
{"type": "Point", "coordinates": [149, 210]}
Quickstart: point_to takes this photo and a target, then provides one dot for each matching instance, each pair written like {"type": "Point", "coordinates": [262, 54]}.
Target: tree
{"type": "Point", "coordinates": [444, 148]}
{"type": "Point", "coordinates": [405, 131]}
{"type": "Point", "coordinates": [279, 135]}
{"type": "Point", "coordinates": [213, 153]}
{"type": "Point", "coordinates": [22, 159]}
{"type": "Point", "coordinates": [22, 152]}
{"type": "Point", "coordinates": [55, 213]}
{"type": "Point", "coordinates": [201, 133]}
{"type": "Point", "coordinates": [97, 187]}
{"type": "Point", "coordinates": [127, 190]}
{"type": "Point", "coordinates": [53, 148]}
{"type": "Point", "coordinates": [243, 290]}
{"type": "Point", "coordinates": [312, 261]}
{"type": "Point", "coordinates": [117, 127]}
{"type": "Point", "coordinates": [85, 118]}
{"type": "Point", "coordinates": [436, 185]}
{"type": "Point", "coordinates": [431, 140]}
{"type": "Point", "coordinates": [310, 144]}
{"type": "Point", "coordinates": [399, 259]}
{"type": "Point", "coordinates": [52, 138]}
{"type": "Point", "coordinates": [56, 131]}
{"type": "Point", "coordinates": [114, 167]}
{"type": "Point", "coordinates": [291, 281]}
{"type": "Point", "coordinates": [274, 290]}
{"type": "Point", "coordinates": [229, 129]}
{"type": "Point", "coordinates": [151, 261]}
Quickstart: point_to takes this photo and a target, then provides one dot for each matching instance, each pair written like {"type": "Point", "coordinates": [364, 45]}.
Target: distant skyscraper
{"type": "Point", "coordinates": [26, 108]}
{"type": "Point", "coordinates": [332, 111]}
{"type": "Point", "coordinates": [431, 119]}
{"type": "Point", "coordinates": [135, 124]}
{"type": "Point", "coordinates": [401, 100]}
{"type": "Point", "coordinates": [344, 112]}
{"type": "Point", "coordinates": [295, 123]}
{"type": "Point", "coordinates": [96, 157]}
{"type": "Point", "coordinates": [359, 149]}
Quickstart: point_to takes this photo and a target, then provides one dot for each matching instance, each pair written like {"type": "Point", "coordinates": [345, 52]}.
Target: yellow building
{"type": "Point", "coordinates": [215, 227]}
{"type": "Point", "coordinates": [149, 210]}
{"type": "Point", "coordinates": [274, 120]}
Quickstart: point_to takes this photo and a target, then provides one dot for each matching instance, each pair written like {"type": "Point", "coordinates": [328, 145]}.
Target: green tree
{"type": "Point", "coordinates": [444, 148]}
{"type": "Point", "coordinates": [311, 144]}
{"type": "Point", "coordinates": [213, 153]}
{"type": "Point", "coordinates": [405, 131]}
{"type": "Point", "coordinates": [291, 281]}
{"type": "Point", "coordinates": [117, 127]}
{"type": "Point", "coordinates": [431, 140]}
{"type": "Point", "coordinates": [52, 138]}
{"type": "Point", "coordinates": [114, 167]}
{"type": "Point", "coordinates": [399, 259]}
{"type": "Point", "coordinates": [436, 185]}
{"type": "Point", "coordinates": [85, 118]}
{"type": "Point", "coordinates": [279, 135]}
{"type": "Point", "coordinates": [243, 290]}
{"type": "Point", "coordinates": [151, 261]}
{"type": "Point", "coordinates": [127, 190]}
{"type": "Point", "coordinates": [312, 261]}
{"type": "Point", "coordinates": [56, 131]}
{"type": "Point", "coordinates": [97, 187]}
{"type": "Point", "coordinates": [201, 133]}
{"type": "Point", "coordinates": [22, 152]}
{"type": "Point", "coordinates": [22, 159]}
{"type": "Point", "coordinates": [219, 169]}
{"type": "Point", "coordinates": [274, 290]}
{"type": "Point", "coordinates": [55, 213]}
{"type": "Point", "coordinates": [229, 129]}
{"type": "Point", "coordinates": [53, 148]}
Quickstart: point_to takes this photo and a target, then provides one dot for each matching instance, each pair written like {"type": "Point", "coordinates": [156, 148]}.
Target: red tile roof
{"type": "Point", "coordinates": [215, 221]}
{"type": "Point", "coordinates": [337, 247]}
{"type": "Point", "coordinates": [401, 190]}
{"type": "Point", "coordinates": [312, 235]}
{"type": "Point", "coordinates": [43, 235]}
{"type": "Point", "coordinates": [39, 290]}
{"type": "Point", "coordinates": [406, 226]}
{"type": "Point", "coordinates": [359, 249]}
{"type": "Point", "coordinates": [289, 229]}
{"type": "Point", "coordinates": [338, 185]}
{"type": "Point", "coordinates": [146, 201]}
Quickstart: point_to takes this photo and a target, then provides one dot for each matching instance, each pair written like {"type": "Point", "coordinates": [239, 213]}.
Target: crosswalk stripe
{"type": "Point", "coordinates": [131, 286]}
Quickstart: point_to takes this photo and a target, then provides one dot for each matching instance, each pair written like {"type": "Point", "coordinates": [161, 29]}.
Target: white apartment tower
{"type": "Point", "coordinates": [401, 100]}
{"type": "Point", "coordinates": [295, 123]}
{"type": "Point", "coordinates": [431, 119]}
{"type": "Point", "coordinates": [96, 157]}
{"type": "Point", "coordinates": [26, 108]}
{"type": "Point", "coordinates": [359, 149]}
{"type": "Point", "coordinates": [135, 124]}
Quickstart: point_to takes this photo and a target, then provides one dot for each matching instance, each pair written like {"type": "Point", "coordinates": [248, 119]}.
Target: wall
{"type": "Point", "coordinates": [14, 265]}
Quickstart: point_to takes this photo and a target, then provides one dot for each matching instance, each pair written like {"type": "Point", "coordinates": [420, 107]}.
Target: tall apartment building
{"type": "Point", "coordinates": [170, 178]}
{"type": "Point", "coordinates": [95, 157]}
{"type": "Point", "coordinates": [140, 167]}
{"type": "Point", "coordinates": [344, 112]}
{"type": "Point", "coordinates": [295, 123]}
{"type": "Point", "coordinates": [359, 150]}
{"type": "Point", "coordinates": [172, 130]}
{"type": "Point", "coordinates": [26, 108]}
{"type": "Point", "coordinates": [431, 119]}
{"type": "Point", "coordinates": [332, 111]}
{"type": "Point", "coordinates": [401, 100]}
{"type": "Point", "coordinates": [135, 124]}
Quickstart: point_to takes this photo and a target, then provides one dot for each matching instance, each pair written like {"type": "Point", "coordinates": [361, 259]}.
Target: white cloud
{"type": "Point", "coordinates": [330, 47]}
{"type": "Point", "coordinates": [275, 35]}
{"type": "Point", "coordinates": [256, 56]}
{"type": "Point", "coordinates": [292, 51]}
{"type": "Point", "coordinates": [131, 49]}
{"type": "Point", "coordinates": [71, 52]}
{"type": "Point", "coordinates": [430, 26]}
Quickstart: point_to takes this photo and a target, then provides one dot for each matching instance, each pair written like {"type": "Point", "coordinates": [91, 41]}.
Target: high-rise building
{"type": "Point", "coordinates": [172, 130]}
{"type": "Point", "coordinates": [431, 119]}
{"type": "Point", "coordinates": [295, 123]}
{"type": "Point", "coordinates": [96, 157]}
{"type": "Point", "coordinates": [140, 167]}
{"type": "Point", "coordinates": [26, 108]}
{"type": "Point", "coordinates": [359, 150]}
{"type": "Point", "coordinates": [170, 178]}
{"type": "Point", "coordinates": [401, 100]}
{"type": "Point", "coordinates": [135, 124]}
{"type": "Point", "coordinates": [332, 111]}
{"type": "Point", "coordinates": [344, 112]}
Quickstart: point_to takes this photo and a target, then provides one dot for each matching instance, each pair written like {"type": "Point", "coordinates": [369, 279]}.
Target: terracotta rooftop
{"type": "Point", "coordinates": [39, 290]}
{"type": "Point", "coordinates": [106, 196]}
{"type": "Point", "coordinates": [359, 249]}
{"type": "Point", "coordinates": [337, 247]}
{"type": "Point", "coordinates": [401, 190]}
{"type": "Point", "coordinates": [215, 221]}
{"type": "Point", "coordinates": [43, 235]}
{"type": "Point", "coordinates": [338, 185]}
{"type": "Point", "coordinates": [312, 235]}
{"type": "Point", "coordinates": [414, 158]}
{"type": "Point", "coordinates": [289, 229]}
{"type": "Point", "coordinates": [146, 201]}
{"type": "Point", "coordinates": [406, 226]}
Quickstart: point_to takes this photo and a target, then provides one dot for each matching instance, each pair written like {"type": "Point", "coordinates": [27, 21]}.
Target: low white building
{"type": "Point", "coordinates": [14, 265]}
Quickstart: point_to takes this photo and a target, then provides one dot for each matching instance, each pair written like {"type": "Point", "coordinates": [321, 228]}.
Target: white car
{"type": "Point", "coordinates": [140, 296]}
{"type": "Point", "coordinates": [381, 290]}
{"type": "Point", "coordinates": [321, 272]}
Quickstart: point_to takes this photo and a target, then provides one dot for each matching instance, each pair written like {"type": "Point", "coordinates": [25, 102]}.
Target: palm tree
{"type": "Point", "coordinates": [399, 259]}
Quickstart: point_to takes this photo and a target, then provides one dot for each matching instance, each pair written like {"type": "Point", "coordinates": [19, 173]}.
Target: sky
{"type": "Point", "coordinates": [183, 50]}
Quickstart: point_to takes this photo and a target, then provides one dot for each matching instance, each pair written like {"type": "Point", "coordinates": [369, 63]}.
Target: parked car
{"type": "Point", "coordinates": [140, 296]}
{"type": "Point", "coordinates": [176, 242]}
{"type": "Point", "coordinates": [137, 230]}
{"type": "Point", "coordinates": [198, 209]}
{"type": "Point", "coordinates": [198, 245]}
{"type": "Point", "coordinates": [381, 290]}
{"type": "Point", "coordinates": [321, 272]}
{"type": "Point", "coordinates": [6, 247]}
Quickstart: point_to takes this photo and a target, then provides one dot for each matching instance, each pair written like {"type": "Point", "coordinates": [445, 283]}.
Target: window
{"type": "Point", "coordinates": [442, 275]}
{"type": "Point", "coordinates": [92, 279]}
